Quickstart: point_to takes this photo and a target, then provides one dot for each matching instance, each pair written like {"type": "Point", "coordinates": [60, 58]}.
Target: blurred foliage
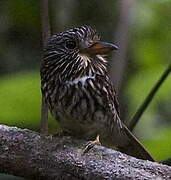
{"type": "Point", "coordinates": [159, 146]}
{"type": "Point", "coordinates": [20, 98]}
{"type": "Point", "coordinates": [148, 56]}
{"type": "Point", "coordinates": [151, 55]}
{"type": "Point", "coordinates": [20, 101]}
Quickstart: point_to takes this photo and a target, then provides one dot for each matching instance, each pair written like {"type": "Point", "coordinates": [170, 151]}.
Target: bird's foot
{"type": "Point", "coordinates": [91, 144]}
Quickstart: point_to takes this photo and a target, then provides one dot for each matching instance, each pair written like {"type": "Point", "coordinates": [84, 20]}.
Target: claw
{"type": "Point", "coordinates": [91, 144]}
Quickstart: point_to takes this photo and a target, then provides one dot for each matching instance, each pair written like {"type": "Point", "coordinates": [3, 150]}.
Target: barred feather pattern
{"type": "Point", "coordinates": [77, 88]}
{"type": "Point", "coordinates": [80, 94]}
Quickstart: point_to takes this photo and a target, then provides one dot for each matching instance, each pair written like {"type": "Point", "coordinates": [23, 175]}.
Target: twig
{"type": "Point", "coordinates": [46, 32]}
{"type": "Point", "coordinates": [149, 98]}
{"type": "Point", "coordinates": [122, 36]}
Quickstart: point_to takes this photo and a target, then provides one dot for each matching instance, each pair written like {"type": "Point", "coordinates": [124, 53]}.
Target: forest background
{"type": "Point", "coordinates": [141, 29]}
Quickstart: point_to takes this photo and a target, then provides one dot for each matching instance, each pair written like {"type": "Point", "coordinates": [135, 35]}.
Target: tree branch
{"type": "Point", "coordinates": [122, 36]}
{"type": "Point", "coordinates": [28, 154]}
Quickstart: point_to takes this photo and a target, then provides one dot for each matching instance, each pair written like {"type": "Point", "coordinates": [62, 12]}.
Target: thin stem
{"type": "Point", "coordinates": [46, 32]}
{"type": "Point", "coordinates": [45, 22]}
{"type": "Point", "coordinates": [149, 98]}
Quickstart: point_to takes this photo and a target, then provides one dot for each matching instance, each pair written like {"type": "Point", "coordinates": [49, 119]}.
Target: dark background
{"type": "Point", "coordinates": [141, 29]}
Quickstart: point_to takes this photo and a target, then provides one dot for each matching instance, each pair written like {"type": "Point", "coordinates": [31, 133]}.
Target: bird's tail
{"type": "Point", "coordinates": [131, 146]}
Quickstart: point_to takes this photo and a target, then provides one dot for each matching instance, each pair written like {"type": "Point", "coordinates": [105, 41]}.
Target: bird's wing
{"type": "Point", "coordinates": [114, 99]}
{"type": "Point", "coordinates": [125, 141]}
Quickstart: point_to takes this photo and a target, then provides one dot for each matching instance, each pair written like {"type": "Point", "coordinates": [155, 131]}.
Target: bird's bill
{"type": "Point", "coordinates": [99, 48]}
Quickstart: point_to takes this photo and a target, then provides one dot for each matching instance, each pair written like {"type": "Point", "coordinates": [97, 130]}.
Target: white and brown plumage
{"type": "Point", "coordinates": [78, 90]}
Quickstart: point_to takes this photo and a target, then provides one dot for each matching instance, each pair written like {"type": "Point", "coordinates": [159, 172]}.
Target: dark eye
{"type": "Point", "coordinates": [70, 44]}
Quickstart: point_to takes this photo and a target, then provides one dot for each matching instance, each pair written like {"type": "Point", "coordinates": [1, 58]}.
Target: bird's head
{"type": "Point", "coordinates": [76, 49]}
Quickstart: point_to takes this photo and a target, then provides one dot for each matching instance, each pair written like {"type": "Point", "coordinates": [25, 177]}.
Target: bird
{"type": "Point", "coordinates": [79, 92]}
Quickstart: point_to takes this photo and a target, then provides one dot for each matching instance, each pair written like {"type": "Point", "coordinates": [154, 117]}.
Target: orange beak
{"type": "Point", "coordinates": [99, 48]}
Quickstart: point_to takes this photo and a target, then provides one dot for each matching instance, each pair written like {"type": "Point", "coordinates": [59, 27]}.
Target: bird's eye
{"type": "Point", "coordinates": [70, 44]}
